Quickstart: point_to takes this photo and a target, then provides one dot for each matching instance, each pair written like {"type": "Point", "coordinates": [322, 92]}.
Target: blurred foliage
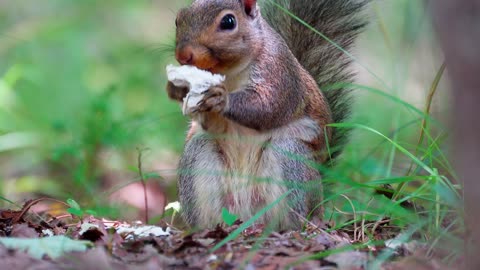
{"type": "Point", "coordinates": [80, 77]}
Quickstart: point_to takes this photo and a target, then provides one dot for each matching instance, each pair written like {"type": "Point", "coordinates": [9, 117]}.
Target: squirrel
{"type": "Point", "coordinates": [259, 135]}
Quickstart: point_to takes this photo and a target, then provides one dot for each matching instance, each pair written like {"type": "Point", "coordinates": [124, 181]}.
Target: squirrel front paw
{"type": "Point", "coordinates": [214, 100]}
{"type": "Point", "coordinates": [176, 92]}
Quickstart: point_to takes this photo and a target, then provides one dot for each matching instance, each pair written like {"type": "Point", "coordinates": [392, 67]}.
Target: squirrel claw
{"type": "Point", "coordinates": [214, 100]}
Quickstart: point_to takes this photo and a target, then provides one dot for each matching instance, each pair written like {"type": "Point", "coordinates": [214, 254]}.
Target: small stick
{"type": "Point", "coordinates": [142, 179]}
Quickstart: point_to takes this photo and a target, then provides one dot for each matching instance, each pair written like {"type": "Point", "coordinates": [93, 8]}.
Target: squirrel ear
{"type": "Point", "coordinates": [250, 7]}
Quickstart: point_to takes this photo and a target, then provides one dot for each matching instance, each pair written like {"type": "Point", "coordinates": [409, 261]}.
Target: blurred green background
{"type": "Point", "coordinates": [82, 92]}
{"type": "Point", "coordinates": [81, 88]}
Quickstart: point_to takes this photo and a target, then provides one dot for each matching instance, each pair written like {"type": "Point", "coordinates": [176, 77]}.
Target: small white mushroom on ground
{"type": "Point", "coordinates": [196, 80]}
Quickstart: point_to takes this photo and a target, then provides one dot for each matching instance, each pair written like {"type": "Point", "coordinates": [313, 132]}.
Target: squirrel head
{"type": "Point", "coordinates": [218, 35]}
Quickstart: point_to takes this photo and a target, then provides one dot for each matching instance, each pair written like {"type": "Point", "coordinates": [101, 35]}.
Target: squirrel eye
{"type": "Point", "coordinates": [228, 22]}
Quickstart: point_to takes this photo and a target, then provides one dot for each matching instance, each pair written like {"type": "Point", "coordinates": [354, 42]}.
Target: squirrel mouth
{"type": "Point", "coordinates": [210, 64]}
{"type": "Point", "coordinates": [210, 68]}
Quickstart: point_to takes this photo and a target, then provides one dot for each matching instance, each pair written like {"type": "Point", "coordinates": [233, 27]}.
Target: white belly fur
{"type": "Point", "coordinates": [251, 178]}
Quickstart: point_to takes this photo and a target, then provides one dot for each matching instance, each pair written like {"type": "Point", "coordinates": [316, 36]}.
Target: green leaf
{"type": "Point", "coordinates": [228, 217]}
{"type": "Point", "coordinates": [91, 212]}
{"type": "Point", "coordinates": [75, 212]}
{"type": "Point", "coordinates": [73, 204]}
{"type": "Point", "coordinates": [54, 246]}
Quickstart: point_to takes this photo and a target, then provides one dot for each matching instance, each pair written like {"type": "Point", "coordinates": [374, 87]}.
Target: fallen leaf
{"type": "Point", "coordinates": [54, 246]}
{"type": "Point", "coordinates": [219, 233]}
{"type": "Point", "coordinates": [23, 231]}
{"type": "Point", "coordinates": [351, 260]}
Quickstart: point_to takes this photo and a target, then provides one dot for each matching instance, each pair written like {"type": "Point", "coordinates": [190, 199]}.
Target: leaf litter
{"type": "Point", "coordinates": [32, 241]}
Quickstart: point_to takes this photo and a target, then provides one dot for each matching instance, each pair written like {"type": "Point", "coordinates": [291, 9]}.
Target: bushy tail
{"type": "Point", "coordinates": [340, 21]}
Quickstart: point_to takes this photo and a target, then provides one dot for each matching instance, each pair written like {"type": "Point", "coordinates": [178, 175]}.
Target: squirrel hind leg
{"type": "Point", "coordinates": [200, 185]}
{"type": "Point", "coordinates": [291, 159]}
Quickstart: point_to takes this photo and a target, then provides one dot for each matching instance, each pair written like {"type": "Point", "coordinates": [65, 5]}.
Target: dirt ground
{"type": "Point", "coordinates": [120, 245]}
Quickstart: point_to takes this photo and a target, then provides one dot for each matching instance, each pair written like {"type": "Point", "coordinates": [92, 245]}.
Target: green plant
{"type": "Point", "coordinates": [76, 210]}
{"type": "Point", "coordinates": [228, 217]}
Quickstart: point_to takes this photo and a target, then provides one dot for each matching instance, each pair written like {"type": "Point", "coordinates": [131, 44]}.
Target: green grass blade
{"type": "Point", "coordinates": [7, 200]}
{"type": "Point", "coordinates": [399, 147]}
{"type": "Point", "coordinates": [383, 94]}
{"type": "Point", "coordinates": [431, 94]}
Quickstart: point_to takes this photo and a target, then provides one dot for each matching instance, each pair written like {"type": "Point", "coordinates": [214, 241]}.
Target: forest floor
{"type": "Point", "coordinates": [33, 241]}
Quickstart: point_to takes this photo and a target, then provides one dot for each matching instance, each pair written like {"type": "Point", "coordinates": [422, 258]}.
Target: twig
{"type": "Point", "coordinates": [29, 204]}
{"type": "Point", "coordinates": [378, 223]}
{"type": "Point", "coordinates": [354, 216]}
{"type": "Point", "coordinates": [59, 217]}
{"type": "Point", "coordinates": [313, 225]}
{"type": "Point", "coordinates": [142, 179]}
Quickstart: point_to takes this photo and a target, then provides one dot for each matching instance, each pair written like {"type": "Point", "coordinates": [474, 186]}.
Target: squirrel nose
{"type": "Point", "coordinates": [184, 55]}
